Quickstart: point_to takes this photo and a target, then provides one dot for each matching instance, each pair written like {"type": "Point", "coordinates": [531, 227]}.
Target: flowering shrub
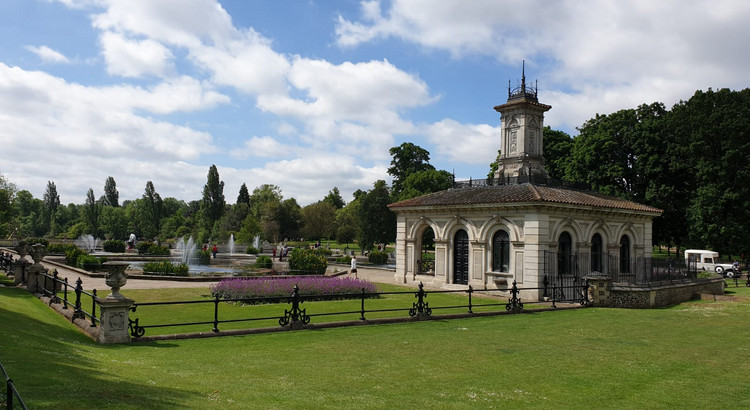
{"type": "Point", "coordinates": [281, 287]}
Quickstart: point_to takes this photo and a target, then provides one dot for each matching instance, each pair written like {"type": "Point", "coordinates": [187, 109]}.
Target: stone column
{"type": "Point", "coordinates": [19, 265]}
{"type": "Point", "coordinates": [115, 307]}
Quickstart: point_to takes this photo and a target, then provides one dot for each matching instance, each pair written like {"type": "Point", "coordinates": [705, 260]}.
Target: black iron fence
{"type": "Point", "coordinates": [58, 290]}
{"type": "Point", "coordinates": [12, 397]}
{"type": "Point", "coordinates": [640, 271]}
{"type": "Point", "coordinates": [297, 315]}
{"type": "Point", "coordinates": [533, 179]}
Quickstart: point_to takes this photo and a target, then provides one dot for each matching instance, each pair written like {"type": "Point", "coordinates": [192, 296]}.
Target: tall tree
{"type": "Point", "coordinates": [244, 196]}
{"type": "Point", "coordinates": [153, 208]}
{"type": "Point", "coordinates": [425, 182]}
{"type": "Point", "coordinates": [334, 198]}
{"type": "Point", "coordinates": [111, 195]}
{"type": "Point", "coordinates": [7, 209]}
{"type": "Point", "coordinates": [557, 150]}
{"type": "Point", "coordinates": [319, 221]}
{"type": "Point", "coordinates": [377, 222]}
{"type": "Point", "coordinates": [407, 159]}
{"type": "Point", "coordinates": [92, 213]}
{"type": "Point", "coordinates": [213, 203]}
{"type": "Point", "coordinates": [51, 203]}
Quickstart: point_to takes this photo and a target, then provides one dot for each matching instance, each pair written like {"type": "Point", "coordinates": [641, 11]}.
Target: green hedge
{"type": "Point", "coordinates": [60, 247]}
{"type": "Point", "coordinates": [307, 262]}
{"type": "Point", "coordinates": [251, 250]}
{"type": "Point", "coordinates": [89, 262]}
{"type": "Point", "coordinates": [114, 246]}
{"type": "Point", "coordinates": [72, 254]}
{"type": "Point", "coordinates": [166, 268]}
{"type": "Point", "coordinates": [378, 257]}
{"type": "Point", "coordinates": [264, 262]}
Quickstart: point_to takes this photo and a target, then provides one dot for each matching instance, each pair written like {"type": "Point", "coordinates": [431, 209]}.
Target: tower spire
{"type": "Point", "coordinates": [523, 76]}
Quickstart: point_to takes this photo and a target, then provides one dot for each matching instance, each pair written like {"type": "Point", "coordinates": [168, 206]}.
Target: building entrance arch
{"type": "Point", "coordinates": [461, 258]}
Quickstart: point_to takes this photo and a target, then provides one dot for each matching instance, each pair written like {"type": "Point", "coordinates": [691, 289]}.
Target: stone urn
{"type": "Point", "coordinates": [22, 248]}
{"type": "Point", "coordinates": [38, 252]}
{"type": "Point", "coordinates": [116, 278]}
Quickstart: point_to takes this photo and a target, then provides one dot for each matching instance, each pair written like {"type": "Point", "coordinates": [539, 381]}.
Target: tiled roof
{"type": "Point", "coordinates": [521, 193]}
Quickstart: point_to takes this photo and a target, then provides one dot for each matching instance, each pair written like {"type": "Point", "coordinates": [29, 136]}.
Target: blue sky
{"type": "Point", "coordinates": [310, 95]}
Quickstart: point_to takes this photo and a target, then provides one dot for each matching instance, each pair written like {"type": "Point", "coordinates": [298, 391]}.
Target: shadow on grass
{"type": "Point", "coordinates": [54, 365]}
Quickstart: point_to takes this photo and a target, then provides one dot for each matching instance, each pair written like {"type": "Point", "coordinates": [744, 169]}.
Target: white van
{"type": "Point", "coordinates": [708, 260]}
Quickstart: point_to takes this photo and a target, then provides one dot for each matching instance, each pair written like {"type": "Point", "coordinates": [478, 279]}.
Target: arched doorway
{"type": "Point", "coordinates": [501, 252]}
{"type": "Point", "coordinates": [597, 253]}
{"type": "Point", "coordinates": [426, 261]}
{"type": "Point", "coordinates": [461, 258]}
{"type": "Point", "coordinates": [625, 254]}
{"type": "Point", "coordinates": [564, 255]}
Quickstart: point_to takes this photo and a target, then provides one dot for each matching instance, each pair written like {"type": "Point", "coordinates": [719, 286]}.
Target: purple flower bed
{"type": "Point", "coordinates": [242, 288]}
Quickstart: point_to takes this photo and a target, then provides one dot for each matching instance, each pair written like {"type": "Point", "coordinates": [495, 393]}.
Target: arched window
{"type": "Point", "coordinates": [565, 254]}
{"type": "Point", "coordinates": [596, 253]}
{"type": "Point", "coordinates": [625, 254]}
{"type": "Point", "coordinates": [501, 252]}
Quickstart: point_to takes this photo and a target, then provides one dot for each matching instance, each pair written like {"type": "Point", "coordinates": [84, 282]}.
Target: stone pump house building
{"type": "Point", "coordinates": [521, 226]}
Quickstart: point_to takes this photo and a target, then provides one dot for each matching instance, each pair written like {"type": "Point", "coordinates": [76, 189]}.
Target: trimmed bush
{"type": "Point", "coordinates": [90, 263]}
{"type": "Point", "coordinates": [143, 247]}
{"type": "Point", "coordinates": [114, 246]}
{"type": "Point", "coordinates": [204, 257]}
{"type": "Point", "coordinates": [344, 259]}
{"type": "Point", "coordinates": [159, 250]}
{"type": "Point", "coordinates": [378, 257]}
{"type": "Point", "coordinates": [60, 247]}
{"type": "Point", "coordinates": [166, 268]}
{"type": "Point", "coordinates": [263, 262]}
{"type": "Point", "coordinates": [34, 241]}
{"type": "Point", "coordinates": [72, 254]}
{"type": "Point", "coordinates": [251, 250]}
{"type": "Point", "coordinates": [307, 262]}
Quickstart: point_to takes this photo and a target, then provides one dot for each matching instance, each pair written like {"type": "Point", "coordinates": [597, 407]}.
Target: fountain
{"type": "Point", "coordinates": [231, 244]}
{"type": "Point", "coordinates": [256, 242]}
{"type": "Point", "coordinates": [186, 249]}
{"type": "Point", "coordinates": [88, 243]}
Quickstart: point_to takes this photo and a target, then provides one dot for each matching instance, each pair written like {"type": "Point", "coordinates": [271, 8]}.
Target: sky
{"type": "Point", "coordinates": [311, 95]}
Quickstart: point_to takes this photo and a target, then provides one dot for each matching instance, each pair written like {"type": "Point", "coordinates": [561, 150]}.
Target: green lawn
{"type": "Point", "coordinates": [695, 355]}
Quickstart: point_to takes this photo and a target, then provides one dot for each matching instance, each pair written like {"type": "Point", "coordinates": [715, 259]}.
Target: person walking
{"type": "Point", "coordinates": [214, 250]}
{"type": "Point", "coordinates": [354, 267]}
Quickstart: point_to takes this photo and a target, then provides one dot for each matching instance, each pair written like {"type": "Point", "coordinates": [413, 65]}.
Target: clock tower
{"type": "Point", "coordinates": [521, 144]}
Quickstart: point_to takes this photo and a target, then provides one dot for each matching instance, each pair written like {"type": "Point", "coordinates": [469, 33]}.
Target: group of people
{"type": "Point", "coordinates": [214, 250]}
{"type": "Point", "coordinates": [6, 261]}
{"type": "Point", "coordinates": [283, 252]}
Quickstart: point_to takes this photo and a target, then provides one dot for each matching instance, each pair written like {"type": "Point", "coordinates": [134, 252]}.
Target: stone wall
{"type": "Point", "coordinates": [660, 296]}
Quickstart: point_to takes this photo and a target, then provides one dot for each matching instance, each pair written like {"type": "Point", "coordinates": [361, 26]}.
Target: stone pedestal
{"type": "Point", "coordinates": [600, 289]}
{"type": "Point", "coordinates": [38, 251]}
{"type": "Point", "coordinates": [19, 271]}
{"type": "Point", "coordinates": [115, 307]}
{"type": "Point", "coordinates": [114, 320]}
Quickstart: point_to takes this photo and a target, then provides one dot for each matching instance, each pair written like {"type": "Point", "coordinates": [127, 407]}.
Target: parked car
{"type": "Point", "coordinates": [708, 260]}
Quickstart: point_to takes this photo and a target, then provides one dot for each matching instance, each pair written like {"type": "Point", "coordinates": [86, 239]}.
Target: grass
{"type": "Point", "coordinates": [321, 312]}
{"type": "Point", "coordinates": [694, 355]}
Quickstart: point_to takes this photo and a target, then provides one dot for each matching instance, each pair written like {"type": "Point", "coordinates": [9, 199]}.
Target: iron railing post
{"type": "Point", "coordinates": [362, 311]}
{"type": "Point", "coordinates": [216, 313]}
{"type": "Point", "coordinates": [470, 290]}
{"type": "Point", "coordinates": [78, 313]}
{"type": "Point", "coordinates": [65, 294]}
{"type": "Point", "coordinates": [93, 308]}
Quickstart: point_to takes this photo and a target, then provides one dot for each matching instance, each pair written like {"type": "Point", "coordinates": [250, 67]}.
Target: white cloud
{"type": "Point", "coordinates": [464, 143]}
{"type": "Point", "coordinates": [135, 58]}
{"type": "Point", "coordinates": [606, 55]}
{"type": "Point", "coordinates": [262, 147]}
{"type": "Point", "coordinates": [48, 55]}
